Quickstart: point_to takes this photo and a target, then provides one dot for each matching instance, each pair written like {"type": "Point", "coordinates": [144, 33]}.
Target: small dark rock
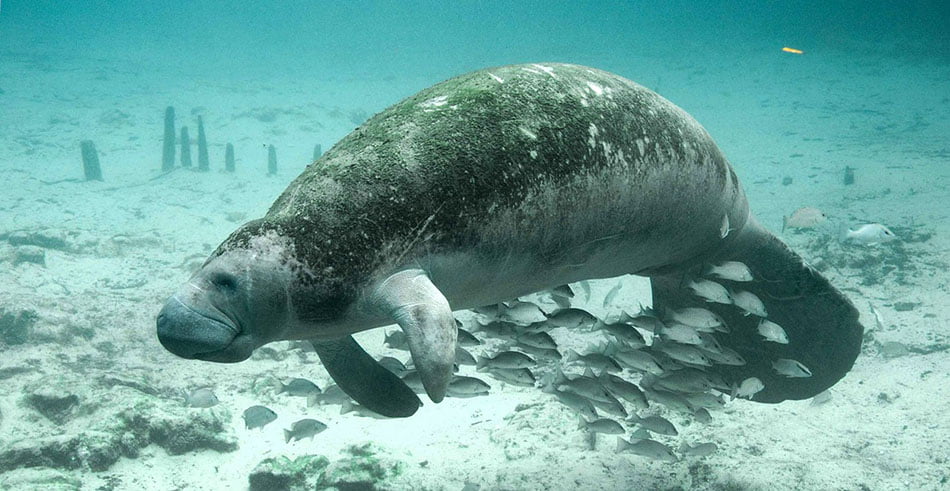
{"type": "Point", "coordinates": [56, 406]}
{"type": "Point", "coordinates": [285, 474]}
{"type": "Point", "coordinates": [49, 239]}
{"type": "Point", "coordinates": [905, 306]}
{"type": "Point", "coordinates": [16, 325]}
{"type": "Point", "coordinates": [181, 433]}
{"type": "Point", "coordinates": [29, 254]}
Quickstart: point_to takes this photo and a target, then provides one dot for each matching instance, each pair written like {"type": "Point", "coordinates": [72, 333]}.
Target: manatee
{"type": "Point", "coordinates": [493, 185]}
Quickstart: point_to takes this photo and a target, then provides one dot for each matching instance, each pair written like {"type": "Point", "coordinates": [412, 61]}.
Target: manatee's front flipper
{"type": "Point", "coordinates": [423, 313]}
{"type": "Point", "coordinates": [821, 323]}
{"type": "Point", "coordinates": [365, 380]}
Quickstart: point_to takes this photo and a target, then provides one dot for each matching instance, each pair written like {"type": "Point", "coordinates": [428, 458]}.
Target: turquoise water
{"type": "Point", "coordinates": [92, 400]}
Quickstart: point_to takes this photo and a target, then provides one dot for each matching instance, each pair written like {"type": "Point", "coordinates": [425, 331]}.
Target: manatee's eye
{"type": "Point", "coordinates": [225, 281]}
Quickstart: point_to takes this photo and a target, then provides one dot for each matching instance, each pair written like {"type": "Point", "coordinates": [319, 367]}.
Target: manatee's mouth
{"type": "Point", "coordinates": [199, 335]}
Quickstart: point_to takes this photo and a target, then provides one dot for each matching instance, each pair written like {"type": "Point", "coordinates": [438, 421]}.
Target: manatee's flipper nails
{"type": "Point", "coordinates": [423, 313]}
{"type": "Point", "coordinates": [821, 323]}
{"type": "Point", "coordinates": [365, 380]}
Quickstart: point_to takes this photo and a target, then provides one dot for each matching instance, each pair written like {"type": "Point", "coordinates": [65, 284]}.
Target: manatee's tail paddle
{"type": "Point", "coordinates": [821, 323]}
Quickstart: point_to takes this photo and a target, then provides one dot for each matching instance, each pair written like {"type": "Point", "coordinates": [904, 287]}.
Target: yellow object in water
{"type": "Point", "coordinates": [793, 50]}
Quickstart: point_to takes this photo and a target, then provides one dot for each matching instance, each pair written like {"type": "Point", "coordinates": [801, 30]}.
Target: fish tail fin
{"type": "Point", "coordinates": [844, 233]}
{"type": "Point", "coordinates": [621, 444]}
{"type": "Point", "coordinates": [288, 435]}
{"type": "Point", "coordinates": [346, 407]}
{"type": "Point", "coordinates": [571, 356]}
{"type": "Point", "coordinates": [784, 223]}
{"type": "Point", "coordinates": [480, 363]}
{"type": "Point", "coordinates": [312, 399]}
{"type": "Point", "coordinates": [559, 377]}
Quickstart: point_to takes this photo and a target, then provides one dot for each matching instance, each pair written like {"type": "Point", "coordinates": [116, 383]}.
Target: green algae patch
{"type": "Point", "coordinates": [364, 468]}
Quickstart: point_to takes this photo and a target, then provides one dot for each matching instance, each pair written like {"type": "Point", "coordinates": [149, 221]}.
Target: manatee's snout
{"type": "Point", "coordinates": [191, 334]}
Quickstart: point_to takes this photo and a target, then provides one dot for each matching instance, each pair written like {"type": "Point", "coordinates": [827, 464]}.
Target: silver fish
{"type": "Point", "coordinates": [685, 380]}
{"type": "Point", "coordinates": [710, 291]}
{"type": "Point", "coordinates": [506, 359]}
{"type": "Point", "coordinates": [550, 354]}
{"type": "Point", "coordinates": [702, 415]}
{"type": "Point", "coordinates": [698, 318]}
{"type": "Point", "coordinates": [584, 385]}
{"type": "Point", "coordinates": [772, 332]}
{"type": "Point", "coordinates": [669, 399]}
{"type": "Point", "coordinates": [638, 360]}
{"type": "Point", "coordinates": [258, 417]}
{"type": "Point", "coordinates": [571, 318]}
{"type": "Point", "coordinates": [299, 387]}
{"type": "Point", "coordinates": [522, 313]}
{"type": "Point", "coordinates": [605, 426]}
{"type": "Point", "coordinates": [705, 400]}
{"type": "Point", "coordinates": [730, 270]}
{"type": "Point", "coordinates": [585, 287]}
{"type": "Point", "coordinates": [748, 388]}
{"type": "Point", "coordinates": [647, 448]}
{"type": "Point", "coordinates": [333, 394]}
{"type": "Point", "coordinates": [305, 428]}
{"type": "Point", "coordinates": [791, 368]}
{"type": "Point", "coordinates": [749, 302]}
{"type": "Point", "coordinates": [466, 338]}
{"type": "Point", "coordinates": [540, 340]}
{"type": "Point", "coordinates": [821, 398]}
{"type": "Point", "coordinates": [514, 376]}
{"type": "Point", "coordinates": [624, 390]}
{"type": "Point", "coordinates": [599, 361]}
{"type": "Point", "coordinates": [646, 320]}
{"type": "Point", "coordinates": [656, 424]}
{"type": "Point", "coordinates": [683, 353]}
{"type": "Point", "coordinates": [698, 450]}
{"type": "Point", "coordinates": [624, 333]}
{"type": "Point", "coordinates": [393, 365]}
{"type": "Point", "coordinates": [498, 329]}
{"type": "Point", "coordinates": [580, 404]}
{"type": "Point", "coordinates": [681, 333]}
{"type": "Point", "coordinates": [612, 294]}
{"type": "Point", "coordinates": [869, 234]}
{"type": "Point", "coordinates": [462, 386]}
{"type": "Point", "coordinates": [563, 291]}
{"type": "Point", "coordinates": [725, 356]}
{"type": "Point", "coordinates": [201, 398]}
{"type": "Point", "coordinates": [463, 357]}
{"type": "Point", "coordinates": [611, 406]}
{"type": "Point", "coordinates": [709, 343]}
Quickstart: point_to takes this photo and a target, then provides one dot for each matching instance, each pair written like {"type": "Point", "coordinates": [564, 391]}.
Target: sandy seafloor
{"type": "Point", "coordinates": [131, 240]}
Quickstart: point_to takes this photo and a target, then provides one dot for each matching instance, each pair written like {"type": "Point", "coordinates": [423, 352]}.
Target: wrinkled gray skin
{"type": "Point", "coordinates": [486, 187]}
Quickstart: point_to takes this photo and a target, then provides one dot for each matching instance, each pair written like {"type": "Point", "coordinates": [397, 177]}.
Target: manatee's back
{"type": "Point", "coordinates": [528, 146]}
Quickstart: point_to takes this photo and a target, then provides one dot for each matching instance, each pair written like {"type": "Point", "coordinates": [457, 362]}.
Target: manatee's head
{"type": "Point", "coordinates": [235, 303]}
